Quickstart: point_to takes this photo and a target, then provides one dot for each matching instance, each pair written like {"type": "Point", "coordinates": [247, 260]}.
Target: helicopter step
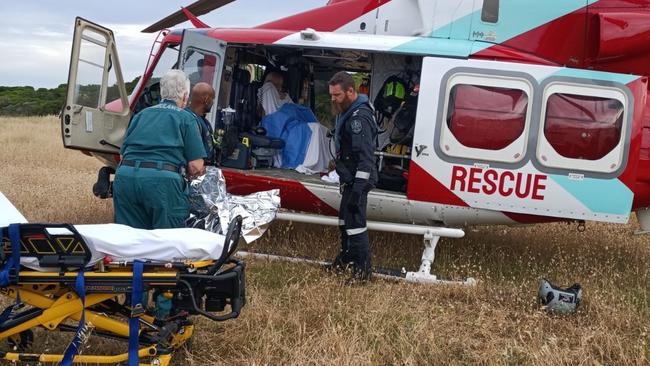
{"type": "Point", "coordinates": [431, 237]}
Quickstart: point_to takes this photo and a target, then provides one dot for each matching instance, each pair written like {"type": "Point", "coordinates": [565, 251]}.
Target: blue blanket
{"type": "Point", "coordinates": [290, 124]}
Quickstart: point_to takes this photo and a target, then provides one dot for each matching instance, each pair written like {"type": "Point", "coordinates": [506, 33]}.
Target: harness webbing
{"type": "Point", "coordinates": [13, 264]}
{"type": "Point", "coordinates": [75, 345]}
{"type": "Point", "coordinates": [136, 303]}
{"type": "Point", "coordinates": [11, 268]}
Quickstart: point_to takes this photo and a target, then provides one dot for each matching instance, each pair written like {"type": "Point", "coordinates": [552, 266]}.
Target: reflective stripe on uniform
{"type": "Point", "coordinates": [356, 231]}
{"type": "Point", "coordinates": [341, 222]}
{"type": "Point", "coordinates": [362, 175]}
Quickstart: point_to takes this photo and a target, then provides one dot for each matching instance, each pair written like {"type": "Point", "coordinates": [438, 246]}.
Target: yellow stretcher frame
{"type": "Point", "coordinates": [204, 288]}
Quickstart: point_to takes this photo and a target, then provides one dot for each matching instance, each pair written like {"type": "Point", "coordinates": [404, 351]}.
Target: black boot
{"type": "Point", "coordinates": [103, 187]}
{"type": "Point", "coordinates": [360, 256]}
{"type": "Point", "coordinates": [340, 264]}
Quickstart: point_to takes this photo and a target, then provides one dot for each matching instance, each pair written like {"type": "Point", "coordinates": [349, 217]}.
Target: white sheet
{"type": "Point", "coordinates": [318, 152]}
{"type": "Point", "coordinates": [124, 243]}
{"type": "Point", "coordinates": [9, 214]}
{"type": "Point", "coordinates": [270, 99]}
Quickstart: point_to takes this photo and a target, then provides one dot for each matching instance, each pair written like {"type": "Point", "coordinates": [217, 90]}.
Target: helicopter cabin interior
{"type": "Point", "coordinates": [251, 137]}
{"type": "Point", "coordinates": [300, 147]}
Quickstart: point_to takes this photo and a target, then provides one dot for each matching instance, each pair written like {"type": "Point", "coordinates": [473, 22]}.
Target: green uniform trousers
{"type": "Point", "coordinates": [149, 199]}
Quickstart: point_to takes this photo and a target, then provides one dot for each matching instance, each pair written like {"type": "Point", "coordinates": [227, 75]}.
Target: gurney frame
{"type": "Point", "coordinates": [195, 288]}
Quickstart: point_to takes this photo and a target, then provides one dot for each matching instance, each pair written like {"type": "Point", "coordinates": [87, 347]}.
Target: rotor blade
{"type": "Point", "coordinates": [196, 22]}
{"type": "Point", "coordinates": [197, 8]}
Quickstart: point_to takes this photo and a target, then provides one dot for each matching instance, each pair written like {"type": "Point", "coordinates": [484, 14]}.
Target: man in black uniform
{"type": "Point", "coordinates": [200, 106]}
{"type": "Point", "coordinates": [355, 136]}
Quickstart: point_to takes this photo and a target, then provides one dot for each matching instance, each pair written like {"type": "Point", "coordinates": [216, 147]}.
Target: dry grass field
{"type": "Point", "coordinates": [301, 315]}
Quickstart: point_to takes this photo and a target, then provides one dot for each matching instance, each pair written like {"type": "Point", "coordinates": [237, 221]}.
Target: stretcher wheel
{"type": "Point", "coordinates": [22, 341]}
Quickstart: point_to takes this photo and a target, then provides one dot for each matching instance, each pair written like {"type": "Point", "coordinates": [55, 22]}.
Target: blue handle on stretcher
{"type": "Point", "coordinates": [12, 266]}
{"type": "Point", "coordinates": [11, 269]}
{"type": "Point", "coordinates": [134, 326]}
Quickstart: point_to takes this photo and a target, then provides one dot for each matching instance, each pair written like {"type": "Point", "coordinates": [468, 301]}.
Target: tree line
{"type": "Point", "coordinates": [29, 101]}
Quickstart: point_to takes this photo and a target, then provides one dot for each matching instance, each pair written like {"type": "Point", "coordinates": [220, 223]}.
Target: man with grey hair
{"type": "Point", "coordinates": [149, 191]}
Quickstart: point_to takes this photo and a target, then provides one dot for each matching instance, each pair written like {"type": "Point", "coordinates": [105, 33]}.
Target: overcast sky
{"type": "Point", "coordinates": [36, 35]}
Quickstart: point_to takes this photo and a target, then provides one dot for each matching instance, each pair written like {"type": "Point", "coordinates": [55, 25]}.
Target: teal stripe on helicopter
{"type": "Point", "coordinates": [529, 15]}
{"type": "Point", "coordinates": [596, 75]}
{"type": "Point", "coordinates": [603, 196]}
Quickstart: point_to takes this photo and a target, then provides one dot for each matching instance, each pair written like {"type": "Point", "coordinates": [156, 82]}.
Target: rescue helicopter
{"type": "Point", "coordinates": [519, 112]}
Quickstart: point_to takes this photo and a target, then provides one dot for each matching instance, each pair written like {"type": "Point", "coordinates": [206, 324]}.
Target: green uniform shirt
{"type": "Point", "coordinates": [163, 133]}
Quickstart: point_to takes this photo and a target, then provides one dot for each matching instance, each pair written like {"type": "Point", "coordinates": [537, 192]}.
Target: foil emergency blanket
{"type": "Point", "coordinates": [212, 208]}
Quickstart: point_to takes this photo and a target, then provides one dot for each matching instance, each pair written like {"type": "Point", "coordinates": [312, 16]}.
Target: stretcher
{"type": "Point", "coordinates": [56, 282]}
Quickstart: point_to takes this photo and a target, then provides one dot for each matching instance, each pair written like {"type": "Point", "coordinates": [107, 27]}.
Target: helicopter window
{"type": "Point", "coordinates": [583, 127]}
{"type": "Point", "coordinates": [200, 66]}
{"type": "Point", "coordinates": [486, 117]}
{"type": "Point", "coordinates": [90, 69]}
{"type": "Point", "coordinates": [166, 62]}
{"type": "Point", "coordinates": [151, 92]}
{"type": "Point", "coordinates": [490, 12]}
{"type": "Point", "coordinates": [113, 92]}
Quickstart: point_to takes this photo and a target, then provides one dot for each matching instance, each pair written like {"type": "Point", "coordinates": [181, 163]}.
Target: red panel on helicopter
{"type": "Point", "coordinates": [328, 18]}
{"type": "Point", "coordinates": [485, 117]}
{"type": "Point", "coordinates": [561, 40]}
{"type": "Point", "coordinates": [424, 187]}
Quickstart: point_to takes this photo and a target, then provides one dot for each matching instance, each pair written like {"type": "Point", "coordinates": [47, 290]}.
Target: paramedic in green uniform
{"type": "Point", "coordinates": [149, 191]}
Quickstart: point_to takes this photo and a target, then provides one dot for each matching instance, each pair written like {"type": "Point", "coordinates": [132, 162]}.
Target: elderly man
{"type": "Point", "coordinates": [270, 96]}
{"type": "Point", "coordinates": [200, 106]}
{"type": "Point", "coordinates": [149, 191]}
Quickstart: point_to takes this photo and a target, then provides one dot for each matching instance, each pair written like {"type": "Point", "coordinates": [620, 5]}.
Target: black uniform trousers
{"type": "Point", "coordinates": [354, 232]}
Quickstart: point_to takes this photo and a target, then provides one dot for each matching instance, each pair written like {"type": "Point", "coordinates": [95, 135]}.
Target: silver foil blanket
{"type": "Point", "coordinates": [212, 208]}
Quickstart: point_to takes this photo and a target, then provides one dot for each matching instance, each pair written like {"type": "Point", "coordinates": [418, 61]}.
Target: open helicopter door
{"type": "Point", "coordinates": [526, 139]}
{"type": "Point", "coordinates": [96, 113]}
{"type": "Point", "coordinates": [202, 59]}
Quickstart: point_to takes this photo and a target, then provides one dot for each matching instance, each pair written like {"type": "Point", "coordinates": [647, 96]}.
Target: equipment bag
{"type": "Point", "coordinates": [392, 179]}
{"type": "Point", "coordinates": [404, 121]}
{"type": "Point", "coordinates": [390, 96]}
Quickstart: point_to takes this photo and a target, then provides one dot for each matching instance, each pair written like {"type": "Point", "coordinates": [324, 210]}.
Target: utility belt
{"type": "Point", "coordinates": [152, 165]}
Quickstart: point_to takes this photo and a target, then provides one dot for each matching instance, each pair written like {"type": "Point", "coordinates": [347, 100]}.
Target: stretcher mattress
{"type": "Point", "coordinates": [124, 243]}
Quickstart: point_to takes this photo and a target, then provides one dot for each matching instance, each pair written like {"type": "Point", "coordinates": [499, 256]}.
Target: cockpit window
{"type": "Point", "coordinates": [167, 61]}
{"type": "Point", "coordinates": [490, 12]}
{"type": "Point", "coordinates": [151, 92]}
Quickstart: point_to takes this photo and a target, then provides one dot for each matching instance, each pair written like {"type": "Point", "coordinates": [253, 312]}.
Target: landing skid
{"type": "Point", "coordinates": [424, 275]}
{"type": "Point", "coordinates": [431, 236]}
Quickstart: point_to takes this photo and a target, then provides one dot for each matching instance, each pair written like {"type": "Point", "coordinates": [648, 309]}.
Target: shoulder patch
{"type": "Point", "coordinates": [356, 126]}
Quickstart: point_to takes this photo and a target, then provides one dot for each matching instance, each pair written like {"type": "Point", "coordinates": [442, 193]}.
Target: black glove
{"type": "Point", "coordinates": [345, 177]}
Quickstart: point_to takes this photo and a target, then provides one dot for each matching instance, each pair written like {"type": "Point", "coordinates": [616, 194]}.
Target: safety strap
{"type": "Point", "coordinates": [75, 345]}
{"type": "Point", "coordinates": [136, 310]}
{"type": "Point", "coordinates": [11, 268]}
{"type": "Point", "coordinates": [13, 263]}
